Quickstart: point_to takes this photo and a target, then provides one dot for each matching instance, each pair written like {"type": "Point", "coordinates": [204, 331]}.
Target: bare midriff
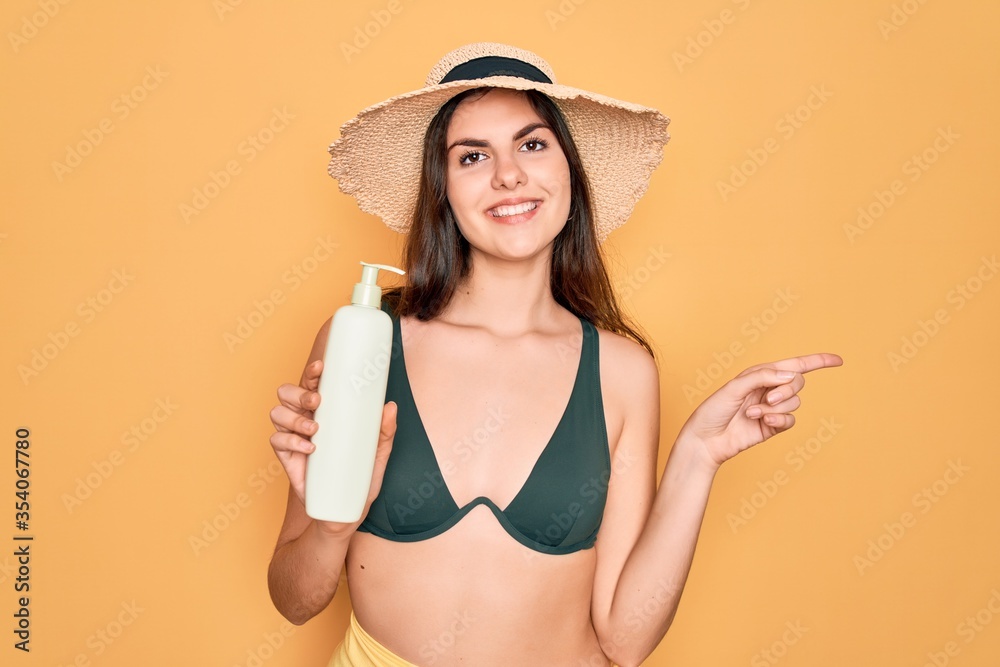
{"type": "Point", "coordinates": [474, 596]}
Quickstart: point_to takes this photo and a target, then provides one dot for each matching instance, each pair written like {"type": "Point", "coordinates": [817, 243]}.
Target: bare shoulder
{"type": "Point", "coordinates": [625, 363]}
{"type": "Point", "coordinates": [630, 383]}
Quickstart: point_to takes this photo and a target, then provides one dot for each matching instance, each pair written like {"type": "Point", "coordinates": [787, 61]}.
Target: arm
{"type": "Point", "coordinates": [305, 568]}
{"type": "Point", "coordinates": [639, 583]}
{"type": "Point", "coordinates": [304, 573]}
{"type": "Point", "coordinates": [649, 587]}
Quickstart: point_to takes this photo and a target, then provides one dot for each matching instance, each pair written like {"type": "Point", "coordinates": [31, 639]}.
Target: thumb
{"type": "Point", "coordinates": [311, 374]}
{"type": "Point", "coordinates": [382, 451]}
{"type": "Point", "coordinates": [746, 382]}
{"type": "Point", "coordinates": [388, 430]}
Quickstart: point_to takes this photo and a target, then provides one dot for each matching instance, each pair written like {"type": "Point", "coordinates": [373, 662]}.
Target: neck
{"type": "Point", "coordinates": [507, 298]}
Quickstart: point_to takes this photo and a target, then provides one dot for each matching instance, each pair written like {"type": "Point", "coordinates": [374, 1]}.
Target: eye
{"type": "Point", "coordinates": [535, 144]}
{"type": "Point", "coordinates": [470, 158]}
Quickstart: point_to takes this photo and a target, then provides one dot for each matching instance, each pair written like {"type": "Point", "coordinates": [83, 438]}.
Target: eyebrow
{"type": "Point", "coordinates": [482, 143]}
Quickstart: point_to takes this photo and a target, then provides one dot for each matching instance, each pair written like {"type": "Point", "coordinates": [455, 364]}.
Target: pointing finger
{"type": "Point", "coordinates": [803, 364]}
{"type": "Point", "coordinates": [809, 362]}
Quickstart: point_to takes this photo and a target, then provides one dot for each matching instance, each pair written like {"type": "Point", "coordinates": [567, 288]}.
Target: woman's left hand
{"type": "Point", "coordinates": [752, 407]}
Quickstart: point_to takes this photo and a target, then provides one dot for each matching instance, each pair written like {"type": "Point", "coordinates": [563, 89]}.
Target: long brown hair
{"type": "Point", "coordinates": [436, 256]}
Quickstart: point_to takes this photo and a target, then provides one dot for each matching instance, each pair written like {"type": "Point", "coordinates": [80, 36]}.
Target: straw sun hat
{"type": "Point", "coordinates": [620, 143]}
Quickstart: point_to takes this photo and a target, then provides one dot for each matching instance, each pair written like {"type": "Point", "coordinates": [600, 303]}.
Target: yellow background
{"type": "Point", "coordinates": [885, 80]}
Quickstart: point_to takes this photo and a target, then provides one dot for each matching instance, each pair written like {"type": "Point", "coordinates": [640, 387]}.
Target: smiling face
{"type": "Point", "coordinates": [508, 181]}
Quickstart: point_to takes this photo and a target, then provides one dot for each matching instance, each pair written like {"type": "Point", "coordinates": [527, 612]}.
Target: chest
{"type": "Point", "coordinates": [489, 407]}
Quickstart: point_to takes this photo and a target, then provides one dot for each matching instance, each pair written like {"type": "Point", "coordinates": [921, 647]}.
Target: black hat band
{"type": "Point", "coordinates": [487, 66]}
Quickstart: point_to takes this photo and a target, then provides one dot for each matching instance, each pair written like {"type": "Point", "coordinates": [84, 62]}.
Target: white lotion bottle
{"type": "Point", "coordinates": [352, 396]}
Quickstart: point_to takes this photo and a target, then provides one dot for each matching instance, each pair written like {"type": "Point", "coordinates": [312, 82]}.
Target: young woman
{"type": "Point", "coordinates": [514, 516]}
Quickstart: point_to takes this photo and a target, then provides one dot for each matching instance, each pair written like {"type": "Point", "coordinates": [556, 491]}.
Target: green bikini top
{"type": "Point", "coordinates": [559, 508]}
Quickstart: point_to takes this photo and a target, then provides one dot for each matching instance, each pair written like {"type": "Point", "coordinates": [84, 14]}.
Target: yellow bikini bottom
{"type": "Point", "coordinates": [359, 649]}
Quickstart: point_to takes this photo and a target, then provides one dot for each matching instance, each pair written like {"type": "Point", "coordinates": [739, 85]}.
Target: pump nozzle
{"type": "Point", "coordinates": [367, 292]}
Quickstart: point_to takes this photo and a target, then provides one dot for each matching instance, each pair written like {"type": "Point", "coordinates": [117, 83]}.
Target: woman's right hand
{"type": "Point", "coordinates": [294, 426]}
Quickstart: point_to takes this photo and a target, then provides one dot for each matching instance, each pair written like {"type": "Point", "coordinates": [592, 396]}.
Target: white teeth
{"type": "Point", "coordinates": [503, 211]}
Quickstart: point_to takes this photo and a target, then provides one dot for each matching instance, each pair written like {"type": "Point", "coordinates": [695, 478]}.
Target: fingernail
{"type": "Point", "coordinates": [774, 397]}
{"type": "Point", "coordinates": [754, 412]}
{"type": "Point", "coordinates": [786, 375]}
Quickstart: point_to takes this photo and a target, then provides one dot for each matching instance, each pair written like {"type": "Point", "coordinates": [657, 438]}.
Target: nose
{"type": "Point", "coordinates": [508, 172]}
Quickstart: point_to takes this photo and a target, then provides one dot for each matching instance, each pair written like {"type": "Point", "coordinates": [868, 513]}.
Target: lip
{"type": "Point", "coordinates": [514, 219]}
